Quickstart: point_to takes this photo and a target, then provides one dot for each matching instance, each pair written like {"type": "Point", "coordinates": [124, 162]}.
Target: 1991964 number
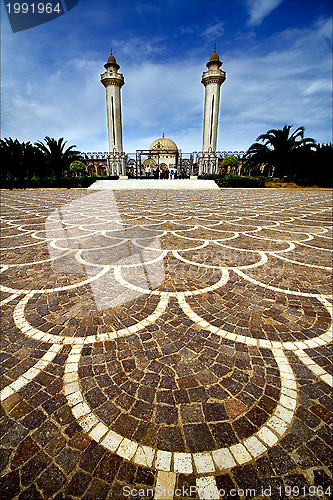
{"type": "Point", "coordinates": [33, 8]}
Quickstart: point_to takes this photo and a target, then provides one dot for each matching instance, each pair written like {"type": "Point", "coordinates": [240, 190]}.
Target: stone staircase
{"type": "Point", "coordinates": [175, 184]}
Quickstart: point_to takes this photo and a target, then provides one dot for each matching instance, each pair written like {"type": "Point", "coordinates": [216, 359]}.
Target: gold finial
{"type": "Point", "coordinates": [110, 52]}
{"type": "Point", "coordinates": [214, 47]}
{"type": "Point", "coordinates": [163, 134]}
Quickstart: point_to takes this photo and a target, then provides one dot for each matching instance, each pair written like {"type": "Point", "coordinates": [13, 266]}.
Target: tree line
{"type": "Point", "coordinates": [279, 153]}
{"type": "Point", "coordinates": [23, 160]}
{"type": "Point", "coordinates": [283, 153]}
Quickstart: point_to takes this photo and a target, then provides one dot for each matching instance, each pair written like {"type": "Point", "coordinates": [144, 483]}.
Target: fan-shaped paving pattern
{"type": "Point", "coordinates": [167, 336]}
{"type": "Point", "coordinates": [290, 276]}
{"type": "Point", "coordinates": [194, 394]}
{"type": "Point", "coordinates": [248, 310]}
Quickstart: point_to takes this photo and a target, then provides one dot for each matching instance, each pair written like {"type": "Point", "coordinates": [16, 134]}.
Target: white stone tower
{"type": "Point", "coordinates": [113, 81]}
{"type": "Point", "coordinates": [212, 80]}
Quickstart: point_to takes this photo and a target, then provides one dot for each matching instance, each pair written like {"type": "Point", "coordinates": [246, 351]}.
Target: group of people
{"type": "Point", "coordinates": [164, 173]}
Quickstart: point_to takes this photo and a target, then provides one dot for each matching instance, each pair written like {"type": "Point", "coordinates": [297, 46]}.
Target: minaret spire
{"type": "Point", "coordinates": [212, 80]}
{"type": "Point", "coordinates": [113, 81]}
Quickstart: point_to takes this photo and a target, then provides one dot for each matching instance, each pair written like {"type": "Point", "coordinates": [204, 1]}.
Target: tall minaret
{"type": "Point", "coordinates": [212, 80]}
{"type": "Point", "coordinates": [113, 81]}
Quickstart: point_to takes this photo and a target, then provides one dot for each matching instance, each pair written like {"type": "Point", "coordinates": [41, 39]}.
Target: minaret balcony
{"type": "Point", "coordinates": [213, 77]}
{"type": "Point", "coordinates": [112, 79]}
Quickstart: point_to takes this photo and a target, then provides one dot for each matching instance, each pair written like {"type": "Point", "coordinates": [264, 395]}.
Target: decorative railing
{"type": "Point", "coordinates": [103, 155]}
{"type": "Point", "coordinates": [100, 155]}
{"type": "Point", "coordinates": [186, 164]}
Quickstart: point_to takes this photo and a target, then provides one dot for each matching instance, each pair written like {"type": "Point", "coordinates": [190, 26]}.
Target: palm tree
{"type": "Point", "coordinates": [18, 159]}
{"type": "Point", "coordinates": [279, 150]}
{"type": "Point", "coordinates": [321, 167]}
{"type": "Point", "coordinates": [57, 157]}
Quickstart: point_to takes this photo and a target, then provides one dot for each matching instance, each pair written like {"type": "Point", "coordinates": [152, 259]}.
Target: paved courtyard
{"type": "Point", "coordinates": [166, 344]}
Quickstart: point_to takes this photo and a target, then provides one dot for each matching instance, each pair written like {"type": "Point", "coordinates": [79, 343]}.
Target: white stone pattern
{"type": "Point", "coordinates": [93, 224]}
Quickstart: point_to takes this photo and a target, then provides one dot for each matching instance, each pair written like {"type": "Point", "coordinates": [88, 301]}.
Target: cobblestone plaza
{"type": "Point", "coordinates": [166, 344]}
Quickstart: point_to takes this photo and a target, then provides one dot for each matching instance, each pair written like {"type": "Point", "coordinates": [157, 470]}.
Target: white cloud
{"type": "Point", "coordinates": [286, 81]}
{"type": "Point", "coordinates": [318, 86]}
{"type": "Point", "coordinates": [259, 9]}
{"type": "Point", "coordinates": [284, 87]}
{"type": "Point", "coordinates": [324, 27]}
{"type": "Point", "coordinates": [57, 104]}
{"type": "Point", "coordinates": [137, 48]}
{"type": "Point", "coordinates": [161, 98]}
{"type": "Point", "coordinates": [211, 31]}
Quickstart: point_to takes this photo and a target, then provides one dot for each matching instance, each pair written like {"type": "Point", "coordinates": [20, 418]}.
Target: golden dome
{"type": "Point", "coordinates": [111, 62]}
{"type": "Point", "coordinates": [111, 59]}
{"type": "Point", "coordinates": [214, 59]}
{"type": "Point", "coordinates": [214, 56]}
{"type": "Point", "coordinates": [164, 143]}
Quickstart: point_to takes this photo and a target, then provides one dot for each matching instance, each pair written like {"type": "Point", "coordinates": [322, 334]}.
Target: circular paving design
{"type": "Point", "coordinates": [165, 393]}
{"type": "Point", "coordinates": [174, 316]}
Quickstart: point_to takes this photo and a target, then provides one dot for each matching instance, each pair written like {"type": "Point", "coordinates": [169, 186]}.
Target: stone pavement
{"type": "Point", "coordinates": [166, 344]}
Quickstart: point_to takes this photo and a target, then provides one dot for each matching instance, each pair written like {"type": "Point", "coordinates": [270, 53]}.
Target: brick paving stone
{"type": "Point", "coordinates": [243, 428]}
{"type": "Point", "coordinates": [247, 478]}
{"type": "Point", "coordinates": [184, 484]}
{"type": "Point", "coordinates": [51, 480]}
{"type": "Point", "coordinates": [91, 457]}
{"type": "Point", "coordinates": [31, 469]}
{"type": "Point", "coordinates": [30, 494]}
{"type": "Point", "coordinates": [97, 489]}
{"type": "Point", "coordinates": [263, 467]}
{"type": "Point", "coordinates": [67, 459]}
{"type": "Point", "coordinates": [10, 484]}
{"type": "Point", "coordinates": [4, 457]}
{"type": "Point", "coordinates": [321, 478]}
{"type": "Point", "coordinates": [297, 481]}
{"type": "Point", "coordinates": [34, 419]}
{"type": "Point", "coordinates": [55, 445]}
{"type": "Point", "coordinates": [224, 357]}
{"type": "Point", "coordinates": [227, 487]}
{"type": "Point", "coordinates": [108, 467]}
{"type": "Point", "coordinates": [170, 439]}
{"type": "Point", "coordinates": [275, 488]}
{"type": "Point", "coordinates": [144, 476]}
{"type": "Point", "coordinates": [198, 437]}
{"type": "Point", "coordinates": [14, 436]}
{"type": "Point", "coordinates": [320, 449]}
{"type": "Point", "coordinates": [281, 461]}
{"type": "Point", "coordinates": [25, 450]}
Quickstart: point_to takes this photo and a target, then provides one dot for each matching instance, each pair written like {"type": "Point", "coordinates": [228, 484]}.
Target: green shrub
{"type": "Point", "coordinates": [230, 161]}
{"type": "Point", "coordinates": [320, 182]}
{"type": "Point", "coordinates": [77, 167]}
{"type": "Point", "coordinates": [51, 182]}
{"type": "Point", "coordinates": [235, 180]}
{"type": "Point", "coordinates": [211, 177]}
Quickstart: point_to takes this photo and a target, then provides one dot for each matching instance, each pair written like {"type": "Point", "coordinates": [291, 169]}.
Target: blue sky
{"type": "Point", "coordinates": [277, 56]}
